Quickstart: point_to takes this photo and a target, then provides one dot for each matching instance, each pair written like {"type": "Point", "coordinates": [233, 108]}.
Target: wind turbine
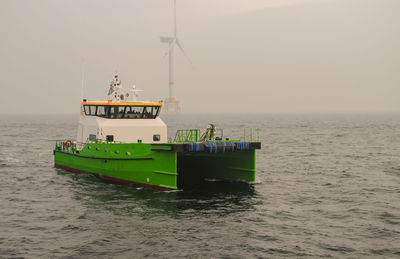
{"type": "Point", "coordinates": [171, 102]}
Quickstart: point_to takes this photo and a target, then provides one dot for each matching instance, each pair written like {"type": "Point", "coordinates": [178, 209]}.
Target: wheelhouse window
{"type": "Point", "coordinates": [87, 109]}
{"type": "Point", "coordinates": [116, 112]}
{"type": "Point", "coordinates": [93, 109]}
{"type": "Point", "coordinates": [150, 112]}
{"type": "Point", "coordinates": [122, 111]}
{"type": "Point", "coordinates": [90, 109]}
{"type": "Point", "coordinates": [134, 112]}
{"type": "Point", "coordinates": [102, 111]}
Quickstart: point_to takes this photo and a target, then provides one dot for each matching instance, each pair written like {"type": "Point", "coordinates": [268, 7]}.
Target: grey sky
{"type": "Point", "coordinates": [248, 55]}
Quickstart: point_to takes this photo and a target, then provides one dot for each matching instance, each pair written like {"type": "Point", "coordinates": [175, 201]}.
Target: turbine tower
{"type": "Point", "coordinates": [171, 103]}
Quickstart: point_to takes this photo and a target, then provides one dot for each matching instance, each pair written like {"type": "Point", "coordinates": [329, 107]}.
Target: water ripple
{"type": "Point", "coordinates": [327, 186]}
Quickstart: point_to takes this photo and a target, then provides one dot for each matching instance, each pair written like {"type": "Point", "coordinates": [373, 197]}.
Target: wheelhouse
{"type": "Point", "coordinates": [122, 110]}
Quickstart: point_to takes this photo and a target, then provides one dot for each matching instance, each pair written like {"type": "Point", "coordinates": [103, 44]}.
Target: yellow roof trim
{"type": "Point", "coordinates": [122, 104]}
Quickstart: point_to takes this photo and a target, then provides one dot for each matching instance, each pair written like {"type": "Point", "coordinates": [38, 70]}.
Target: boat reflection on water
{"type": "Point", "coordinates": [210, 195]}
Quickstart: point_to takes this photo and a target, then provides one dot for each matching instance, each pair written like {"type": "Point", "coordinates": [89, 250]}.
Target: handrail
{"type": "Point", "coordinates": [187, 135]}
{"type": "Point", "coordinates": [250, 134]}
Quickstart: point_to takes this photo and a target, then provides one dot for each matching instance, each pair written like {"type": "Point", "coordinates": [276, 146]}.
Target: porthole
{"type": "Point", "coordinates": [128, 153]}
{"type": "Point", "coordinates": [106, 150]}
{"type": "Point", "coordinates": [116, 152]}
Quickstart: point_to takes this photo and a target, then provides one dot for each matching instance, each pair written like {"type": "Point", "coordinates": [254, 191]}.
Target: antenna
{"type": "Point", "coordinates": [82, 76]}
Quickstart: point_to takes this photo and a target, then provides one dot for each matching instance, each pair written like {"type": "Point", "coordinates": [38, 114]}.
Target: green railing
{"type": "Point", "coordinates": [250, 135]}
{"type": "Point", "coordinates": [190, 135]}
{"type": "Point", "coordinates": [68, 146]}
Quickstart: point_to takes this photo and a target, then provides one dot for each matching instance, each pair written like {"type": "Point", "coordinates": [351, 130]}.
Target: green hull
{"type": "Point", "coordinates": [163, 166]}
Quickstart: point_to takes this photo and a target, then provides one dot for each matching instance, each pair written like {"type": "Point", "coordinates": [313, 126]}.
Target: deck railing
{"type": "Point", "coordinates": [188, 135]}
{"type": "Point", "coordinates": [250, 135]}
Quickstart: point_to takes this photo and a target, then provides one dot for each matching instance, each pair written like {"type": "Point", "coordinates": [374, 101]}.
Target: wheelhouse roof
{"type": "Point", "coordinates": [121, 104]}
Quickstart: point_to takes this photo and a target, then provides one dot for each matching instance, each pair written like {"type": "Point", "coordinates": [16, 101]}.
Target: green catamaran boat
{"type": "Point", "coordinates": [124, 140]}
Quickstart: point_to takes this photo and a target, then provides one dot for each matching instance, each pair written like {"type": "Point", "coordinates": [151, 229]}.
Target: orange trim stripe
{"type": "Point", "coordinates": [123, 104]}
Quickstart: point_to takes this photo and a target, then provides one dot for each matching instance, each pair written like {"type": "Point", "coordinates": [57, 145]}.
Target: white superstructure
{"type": "Point", "coordinates": [120, 120]}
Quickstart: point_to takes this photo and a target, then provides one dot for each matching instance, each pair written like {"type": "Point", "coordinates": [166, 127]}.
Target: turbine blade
{"type": "Point", "coordinates": [184, 53]}
{"type": "Point", "coordinates": [175, 18]}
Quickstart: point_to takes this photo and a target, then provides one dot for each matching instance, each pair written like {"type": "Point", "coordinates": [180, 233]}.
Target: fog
{"type": "Point", "coordinates": [247, 56]}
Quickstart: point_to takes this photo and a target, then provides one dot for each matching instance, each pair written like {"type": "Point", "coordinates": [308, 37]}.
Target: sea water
{"type": "Point", "coordinates": [328, 185]}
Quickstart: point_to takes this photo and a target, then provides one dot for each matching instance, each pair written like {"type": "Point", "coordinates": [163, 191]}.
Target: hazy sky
{"type": "Point", "coordinates": [248, 55]}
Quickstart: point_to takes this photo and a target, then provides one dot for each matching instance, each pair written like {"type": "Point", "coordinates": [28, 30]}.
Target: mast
{"type": "Point", "coordinates": [82, 76]}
